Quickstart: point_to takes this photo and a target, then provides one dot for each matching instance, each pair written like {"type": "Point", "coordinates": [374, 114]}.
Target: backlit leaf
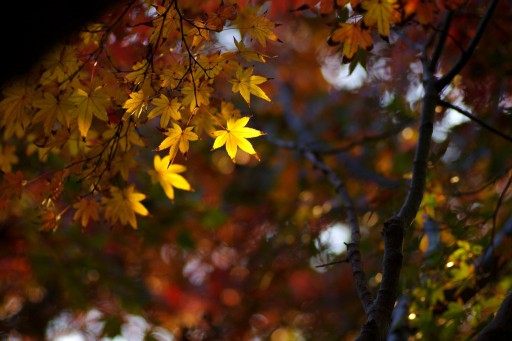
{"type": "Point", "coordinates": [89, 103]}
{"type": "Point", "coordinates": [381, 13]}
{"type": "Point", "coordinates": [236, 135]}
{"type": "Point", "coordinates": [177, 138]}
{"type": "Point", "coordinates": [168, 109]}
{"type": "Point", "coordinates": [123, 205]}
{"type": "Point", "coordinates": [168, 176]}
{"type": "Point", "coordinates": [246, 83]}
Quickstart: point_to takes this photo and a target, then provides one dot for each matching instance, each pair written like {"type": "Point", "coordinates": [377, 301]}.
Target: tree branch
{"type": "Point", "coordinates": [475, 119]}
{"type": "Point", "coordinates": [464, 58]}
{"type": "Point", "coordinates": [379, 319]}
{"type": "Point", "coordinates": [445, 25]}
{"type": "Point", "coordinates": [353, 253]}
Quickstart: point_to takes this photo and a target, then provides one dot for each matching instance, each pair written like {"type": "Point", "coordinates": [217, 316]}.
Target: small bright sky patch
{"type": "Point", "coordinates": [335, 237]}
{"type": "Point", "coordinates": [337, 75]}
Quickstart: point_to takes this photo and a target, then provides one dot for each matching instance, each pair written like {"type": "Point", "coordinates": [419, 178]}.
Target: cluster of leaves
{"type": "Point", "coordinates": [82, 105]}
{"type": "Point", "coordinates": [359, 20]}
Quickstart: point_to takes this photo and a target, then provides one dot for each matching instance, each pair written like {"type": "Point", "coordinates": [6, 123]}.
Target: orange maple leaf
{"type": "Point", "coordinates": [13, 185]}
{"type": "Point", "coordinates": [352, 36]}
{"type": "Point", "coordinates": [86, 209]}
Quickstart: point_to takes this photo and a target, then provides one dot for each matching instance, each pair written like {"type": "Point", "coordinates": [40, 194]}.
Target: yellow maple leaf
{"type": "Point", "coordinates": [123, 204]}
{"type": "Point", "coordinates": [249, 55]}
{"type": "Point", "coordinates": [51, 109]}
{"type": "Point", "coordinates": [86, 209]}
{"type": "Point", "coordinates": [60, 64]}
{"type": "Point", "coordinates": [352, 36]}
{"type": "Point", "coordinates": [168, 109]}
{"type": "Point", "coordinates": [236, 135]}
{"type": "Point", "coordinates": [15, 105]}
{"type": "Point", "coordinates": [177, 138]}
{"type": "Point", "coordinates": [125, 164]}
{"type": "Point", "coordinates": [259, 27]}
{"type": "Point", "coordinates": [139, 72]}
{"type": "Point", "coordinates": [137, 103]}
{"type": "Point", "coordinates": [246, 83]}
{"type": "Point", "coordinates": [172, 77]}
{"type": "Point", "coordinates": [381, 13]}
{"type": "Point", "coordinates": [168, 177]}
{"type": "Point", "coordinates": [196, 96]}
{"type": "Point", "coordinates": [88, 103]}
{"type": "Point", "coordinates": [7, 158]}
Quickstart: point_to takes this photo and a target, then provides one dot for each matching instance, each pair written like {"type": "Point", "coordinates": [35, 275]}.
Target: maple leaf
{"type": "Point", "coordinates": [210, 64]}
{"type": "Point", "coordinates": [137, 102]}
{"type": "Point", "coordinates": [13, 185]}
{"type": "Point", "coordinates": [16, 102]}
{"type": "Point", "coordinates": [248, 54]}
{"type": "Point", "coordinates": [139, 72]}
{"type": "Point", "coordinates": [60, 63]}
{"type": "Point", "coordinates": [381, 13]}
{"type": "Point", "coordinates": [88, 103]}
{"type": "Point", "coordinates": [86, 209]}
{"type": "Point", "coordinates": [246, 83]}
{"type": "Point", "coordinates": [172, 77]}
{"type": "Point", "coordinates": [126, 163]}
{"type": "Point", "coordinates": [168, 109]}
{"type": "Point", "coordinates": [217, 20]}
{"type": "Point", "coordinates": [7, 158]}
{"type": "Point", "coordinates": [352, 36]}
{"type": "Point", "coordinates": [177, 138]}
{"type": "Point", "coordinates": [168, 177]}
{"type": "Point", "coordinates": [123, 205]}
{"type": "Point", "coordinates": [50, 109]}
{"type": "Point", "coordinates": [236, 135]}
{"type": "Point", "coordinates": [169, 23]}
{"type": "Point", "coordinates": [196, 96]}
{"type": "Point", "coordinates": [49, 220]}
{"type": "Point", "coordinates": [257, 26]}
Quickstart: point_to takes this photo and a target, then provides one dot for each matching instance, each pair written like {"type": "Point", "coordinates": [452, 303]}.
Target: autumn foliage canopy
{"type": "Point", "coordinates": [246, 170]}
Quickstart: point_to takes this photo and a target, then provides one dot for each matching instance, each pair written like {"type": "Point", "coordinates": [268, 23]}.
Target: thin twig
{"type": "Point", "coordinates": [353, 253]}
{"type": "Point", "coordinates": [464, 58]}
{"type": "Point", "coordinates": [436, 54]}
{"type": "Point", "coordinates": [475, 119]}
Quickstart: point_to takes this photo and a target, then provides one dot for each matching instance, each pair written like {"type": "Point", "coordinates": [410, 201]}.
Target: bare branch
{"type": "Point", "coordinates": [353, 254]}
{"type": "Point", "coordinates": [445, 25]}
